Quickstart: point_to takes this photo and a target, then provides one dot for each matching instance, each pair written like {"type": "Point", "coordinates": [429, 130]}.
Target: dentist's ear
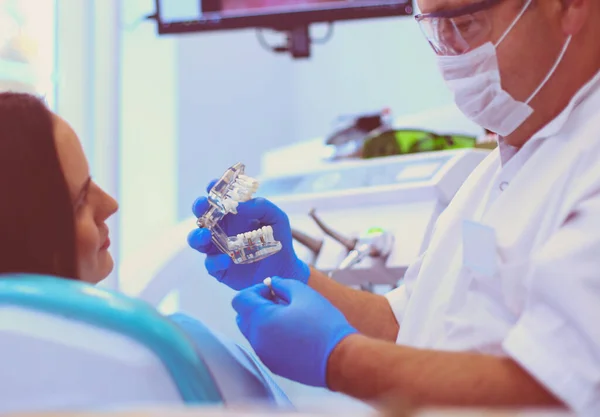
{"type": "Point", "coordinates": [575, 14]}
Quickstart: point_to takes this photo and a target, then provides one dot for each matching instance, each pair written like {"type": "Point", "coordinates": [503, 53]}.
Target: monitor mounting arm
{"type": "Point", "coordinates": [298, 40]}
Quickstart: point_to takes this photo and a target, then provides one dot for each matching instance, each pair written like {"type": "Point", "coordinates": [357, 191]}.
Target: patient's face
{"type": "Point", "coordinates": [92, 206]}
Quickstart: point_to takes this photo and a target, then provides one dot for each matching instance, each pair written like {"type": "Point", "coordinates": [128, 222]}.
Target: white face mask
{"type": "Point", "coordinates": [474, 78]}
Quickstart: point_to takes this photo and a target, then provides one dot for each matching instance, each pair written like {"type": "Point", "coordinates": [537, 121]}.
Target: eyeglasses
{"type": "Point", "coordinates": [396, 142]}
{"type": "Point", "coordinates": [457, 31]}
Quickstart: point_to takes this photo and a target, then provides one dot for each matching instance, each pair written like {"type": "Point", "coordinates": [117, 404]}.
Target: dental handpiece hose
{"type": "Point", "coordinates": [355, 256]}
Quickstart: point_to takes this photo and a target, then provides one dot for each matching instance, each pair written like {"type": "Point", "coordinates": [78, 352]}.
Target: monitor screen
{"type": "Point", "coordinates": [180, 16]}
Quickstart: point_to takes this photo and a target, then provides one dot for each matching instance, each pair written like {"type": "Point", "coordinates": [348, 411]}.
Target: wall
{"type": "Point", "coordinates": [237, 100]}
{"type": "Point", "coordinates": [366, 65]}
{"type": "Point", "coordinates": [28, 47]}
{"type": "Point", "coordinates": [148, 128]}
{"type": "Point", "coordinates": [194, 104]}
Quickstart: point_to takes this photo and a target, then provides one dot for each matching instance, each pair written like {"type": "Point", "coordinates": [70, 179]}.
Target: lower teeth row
{"type": "Point", "coordinates": [255, 238]}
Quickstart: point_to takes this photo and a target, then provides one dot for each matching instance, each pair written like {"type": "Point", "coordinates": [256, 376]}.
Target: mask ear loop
{"type": "Point", "coordinates": [551, 72]}
{"type": "Point", "coordinates": [514, 23]}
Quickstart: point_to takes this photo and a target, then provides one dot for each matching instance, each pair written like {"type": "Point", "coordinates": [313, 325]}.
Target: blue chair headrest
{"type": "Point", "coordinates": [118, 313]}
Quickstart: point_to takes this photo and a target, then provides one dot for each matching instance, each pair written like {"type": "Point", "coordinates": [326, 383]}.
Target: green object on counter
{"type": "Point", "coordinates": [374, 231]}
{"type": "Point", "coordinates": [397, 142]}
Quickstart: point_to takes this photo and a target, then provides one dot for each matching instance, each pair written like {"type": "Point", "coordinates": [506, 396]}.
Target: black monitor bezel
{"type": "Point", "coordinates": [284, 20]}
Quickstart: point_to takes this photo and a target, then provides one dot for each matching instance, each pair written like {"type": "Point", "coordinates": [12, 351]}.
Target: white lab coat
{"type": "Point", "coordinates": [513, 267]}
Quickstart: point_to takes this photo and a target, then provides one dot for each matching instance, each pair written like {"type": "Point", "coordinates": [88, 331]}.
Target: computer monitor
{"type": "Point", "coordinates": [185, 16]}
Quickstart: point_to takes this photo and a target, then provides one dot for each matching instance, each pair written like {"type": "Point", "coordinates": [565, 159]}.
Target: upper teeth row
{"type": "Point", "coordinates": [243, 188]}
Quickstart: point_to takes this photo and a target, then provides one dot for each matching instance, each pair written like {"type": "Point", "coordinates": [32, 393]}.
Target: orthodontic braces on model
{"type": "Point", "coordinates": [231, 189]}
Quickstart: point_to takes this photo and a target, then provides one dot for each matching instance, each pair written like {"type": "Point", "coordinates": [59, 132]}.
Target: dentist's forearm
{"type": "Point", "coordinates": [368, 313]}
{"type": "Point", "coordinates": [378, 371]}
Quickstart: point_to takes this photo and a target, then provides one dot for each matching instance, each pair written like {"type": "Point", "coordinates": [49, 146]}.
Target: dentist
{"type": "Point", "coordinates": [502, 309]}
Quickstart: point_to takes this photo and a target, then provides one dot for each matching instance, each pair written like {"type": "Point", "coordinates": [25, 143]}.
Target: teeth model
{"type": "Point", "coordinates": [258, 237]}
{"type": "Point", "coordinates": [241, 190]}
{"type": "Point", "coordinates": [224, 197]}
{"type": "Point", "coordinates": [253, 246]}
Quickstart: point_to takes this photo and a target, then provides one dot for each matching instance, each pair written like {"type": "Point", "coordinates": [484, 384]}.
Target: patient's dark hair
{"type": "Point", "coordinates": [37, 221]}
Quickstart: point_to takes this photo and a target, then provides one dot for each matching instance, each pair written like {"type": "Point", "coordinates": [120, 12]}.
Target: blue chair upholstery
{"type": "Point", "coordinates": [118, 313]}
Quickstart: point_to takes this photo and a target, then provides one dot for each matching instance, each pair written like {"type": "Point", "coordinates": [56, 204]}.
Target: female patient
{"type": "Point", "coordinates": [52, 214]}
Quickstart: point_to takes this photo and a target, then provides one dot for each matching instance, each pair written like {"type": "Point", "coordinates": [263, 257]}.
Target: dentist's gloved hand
{"type": "Point", "coordinates": [293, 333]}
{"type": "Point", "coordinates": [251, 215]}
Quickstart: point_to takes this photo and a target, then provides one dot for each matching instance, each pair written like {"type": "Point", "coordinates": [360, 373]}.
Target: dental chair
{"type": "Point", "coordinates": [67, 345]}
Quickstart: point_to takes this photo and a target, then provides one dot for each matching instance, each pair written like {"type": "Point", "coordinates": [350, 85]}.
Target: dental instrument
{"type": "Point", "coordinates": [269, 283]}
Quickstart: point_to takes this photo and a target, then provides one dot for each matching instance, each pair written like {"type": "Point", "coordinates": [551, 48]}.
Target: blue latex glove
{"type": "Point", "coordinates": [251, 215]}
{"type": "Point", "coordinates": [295, 332]}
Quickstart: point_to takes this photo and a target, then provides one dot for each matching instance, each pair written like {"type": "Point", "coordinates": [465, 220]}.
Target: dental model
{"type": "Point", "coordinates": [231, 189]}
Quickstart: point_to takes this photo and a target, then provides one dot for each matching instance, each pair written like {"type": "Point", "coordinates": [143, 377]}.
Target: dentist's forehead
{"type": "Point", "coordinates": [428, 6]}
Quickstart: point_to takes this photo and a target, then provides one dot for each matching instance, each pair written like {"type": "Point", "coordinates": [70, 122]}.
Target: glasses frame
{"type": "Point", "coordinates": [459, 11]}
{"type": "Point", "coordinates": [438, 45]}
